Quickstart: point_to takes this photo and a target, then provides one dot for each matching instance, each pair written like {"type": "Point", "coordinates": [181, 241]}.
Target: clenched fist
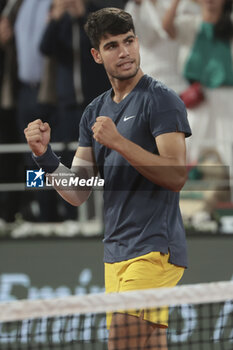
{"type": "Point", "coordinates": [37, 134]}
{"type": "Point", "coordinates": [106, 133]}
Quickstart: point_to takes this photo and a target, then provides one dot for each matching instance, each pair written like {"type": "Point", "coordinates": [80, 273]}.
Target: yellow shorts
{"type": "Point", "coordinates": [144, 272]}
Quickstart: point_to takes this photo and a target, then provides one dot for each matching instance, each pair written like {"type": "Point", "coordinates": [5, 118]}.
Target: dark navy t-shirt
{"type": "Point", "coordinates": [140, 216]}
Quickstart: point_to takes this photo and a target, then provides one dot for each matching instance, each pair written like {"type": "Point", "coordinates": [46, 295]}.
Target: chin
{"type": "Point", "coordinates": [127, 75]}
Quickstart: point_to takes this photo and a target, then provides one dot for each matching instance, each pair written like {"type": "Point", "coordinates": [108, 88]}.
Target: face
{"type": "Point", "coordinates": [119, 54]}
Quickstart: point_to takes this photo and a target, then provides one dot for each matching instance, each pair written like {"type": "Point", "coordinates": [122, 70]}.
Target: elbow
{"type": "Point", "coordinates": [179, 180]}
{"type": "Point", "coordinates": [78, 203]}
{"type": "Point", "coordinates": [75, 203]}
{"type": "Point", "coordinates": [75, 198]}
{"type": "Point", "coordinates": [178, 186]}
{"type": "Point", "coordinates": [81, 197]}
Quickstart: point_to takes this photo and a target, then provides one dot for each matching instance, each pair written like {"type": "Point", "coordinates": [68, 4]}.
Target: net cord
{"type": "Point", "coordinates": [100, 303]}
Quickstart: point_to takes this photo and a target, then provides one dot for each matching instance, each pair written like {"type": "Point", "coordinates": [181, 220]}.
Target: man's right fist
{"type": "Point", "coordinates": [37, 134]}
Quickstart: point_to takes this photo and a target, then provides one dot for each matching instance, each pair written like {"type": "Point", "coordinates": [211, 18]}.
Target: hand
{"type": "Point", "coordinates": [139, 2]}
{"type": "Point", "coordinates": [37, 135]}
{"type": "Point", "coordinates": [6, 31]}
{"type": "Point", "coordinates": [76, 8]}
{"type": "Point", "coordinates": [58, 9]}
{"type": "Point", "coordinates": [106, 133]}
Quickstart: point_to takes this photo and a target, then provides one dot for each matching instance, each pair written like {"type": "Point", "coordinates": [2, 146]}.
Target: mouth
{"type": "Point", "coordinates": [126, 64]}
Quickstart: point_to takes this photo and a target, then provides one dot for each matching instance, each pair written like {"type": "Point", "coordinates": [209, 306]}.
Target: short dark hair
{"type": "Point", "coordinates": [108, 20]}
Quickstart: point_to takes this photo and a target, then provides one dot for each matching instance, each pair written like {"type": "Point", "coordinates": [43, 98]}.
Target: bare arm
{"type": "Point", "coordinates": [83, 167]}
{"type": "Point", "coordinates": [38, 136]}
{"type": "Point", "coordinates": [166, 169]}
{"type": "Point", "coordinates": [169, 18]}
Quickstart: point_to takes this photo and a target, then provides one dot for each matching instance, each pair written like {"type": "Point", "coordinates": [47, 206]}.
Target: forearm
{"type": "Point", "coordinates": [168, 172]}
{"type": "Point", "coordinates": [64, 180]}
{"type": "Point", "coordinates": [169, 18]}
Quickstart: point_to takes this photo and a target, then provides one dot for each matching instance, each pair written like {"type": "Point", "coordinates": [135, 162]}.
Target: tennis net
{"type": "Point", "coordinates": [200, 318]}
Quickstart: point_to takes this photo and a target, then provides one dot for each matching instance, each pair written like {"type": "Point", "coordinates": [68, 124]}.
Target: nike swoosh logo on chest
{"type": "Point", "coordinates": [129, 117]}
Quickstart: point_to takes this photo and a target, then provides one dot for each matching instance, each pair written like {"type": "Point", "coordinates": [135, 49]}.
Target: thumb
{"type": "Point", "coordinates": [44, 127]}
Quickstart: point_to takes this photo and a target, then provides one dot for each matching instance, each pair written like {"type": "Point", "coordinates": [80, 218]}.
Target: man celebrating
{"type": "Point", "coordinates": [134, 135]}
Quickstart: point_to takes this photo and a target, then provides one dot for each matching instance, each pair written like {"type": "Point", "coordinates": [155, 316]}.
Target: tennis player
{"type": "Point", "coordinates": [134, 135]}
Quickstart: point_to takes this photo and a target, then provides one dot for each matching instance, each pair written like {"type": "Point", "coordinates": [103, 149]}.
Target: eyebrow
{"type": "Point", "coordinates": [131, 36]}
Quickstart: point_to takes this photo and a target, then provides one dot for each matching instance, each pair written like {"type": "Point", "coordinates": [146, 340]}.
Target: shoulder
{"type": "Point", "coordinates": [162, 97]}
{"type": "Point", "coordinates": [98, 101]}
{"type": "Point", "coordinates": [92, 109]}
{"type": "Point", "coordinates": [166, 111]}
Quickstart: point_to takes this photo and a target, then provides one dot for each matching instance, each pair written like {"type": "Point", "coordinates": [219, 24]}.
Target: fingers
{"type": "Point", "coordinates": [102, 118]}
{"type": "Point", "coordinates": [34, 130]}
{"type": "Point", "coordinates": [98, 128]}
{"type": "Point", "coordinates": [31, 139]}
{"type": "Point", "coordinates": [101, 121]}
{"type": "Point", "coordinates": [46, 126]}
{"type": "Point", "coordinates": [104, 131]}
{"type": "Point", "coordinates": [33, 135]}
{"type": "Point", "coordinates": [37, 124]}
{"type": "Point", "coordinates": [37, 135]}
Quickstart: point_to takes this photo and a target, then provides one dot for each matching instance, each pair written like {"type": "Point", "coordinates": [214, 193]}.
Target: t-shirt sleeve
{"type": "Point", "coordinates": [168, 114]}
{"type": "Point", "coordinates": [85, 133]}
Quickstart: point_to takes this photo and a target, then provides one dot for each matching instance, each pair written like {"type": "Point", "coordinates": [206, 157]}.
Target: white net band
{"type": "Point", "coordinates": [101, 303]}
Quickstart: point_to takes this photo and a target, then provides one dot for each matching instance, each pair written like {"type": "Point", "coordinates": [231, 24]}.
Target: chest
{"type": "Point", "coordinates": [133, 122]}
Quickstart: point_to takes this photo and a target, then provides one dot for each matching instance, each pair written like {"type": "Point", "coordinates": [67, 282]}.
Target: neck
{"type": "Point", "coordinates": [122, 88]}
{"type": "Point", "coordinates": [211, 16]}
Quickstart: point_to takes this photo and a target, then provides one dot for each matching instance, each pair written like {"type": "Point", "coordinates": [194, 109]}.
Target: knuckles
{"type": "Point", "coordinates": [37, 121]}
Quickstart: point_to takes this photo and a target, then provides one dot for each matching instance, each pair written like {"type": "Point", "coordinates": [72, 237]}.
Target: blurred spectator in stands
{"type": "Point", "coordinates": [78, 78]}
{"type": "Point", "coordinates": [206, 57]}
{"type": "Point", "coordinates": [110, 3]}
{"type": "Point", "coordinates": [29, 26]}
{"type": "Point", "coordinates": [158, 51]}
{"type": "Point", "coordinates": [34, 95]}
{"type": "Point", "coordinates": [10, 163]}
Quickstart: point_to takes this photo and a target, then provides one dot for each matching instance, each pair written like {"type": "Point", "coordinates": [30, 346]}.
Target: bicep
{"type": "Point", "coordinates": [85, 153]}
{"type": "Point", "coordinates": [172, 145]}
{"type": "Point", "coordinates": [84, 158]}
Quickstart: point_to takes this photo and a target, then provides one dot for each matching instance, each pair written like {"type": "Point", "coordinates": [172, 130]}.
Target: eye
{"type": "Point", "coordinates": [111, 46]}
{"type": "Point", "coordinates": [130, 41]}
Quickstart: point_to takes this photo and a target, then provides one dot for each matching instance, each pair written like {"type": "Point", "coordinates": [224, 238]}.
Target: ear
{"type": "Point", "coordinates": [96, 55]}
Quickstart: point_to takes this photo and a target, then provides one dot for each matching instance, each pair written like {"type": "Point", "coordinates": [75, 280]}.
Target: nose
{"type": "Point", "coordinates": [123, 51]}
